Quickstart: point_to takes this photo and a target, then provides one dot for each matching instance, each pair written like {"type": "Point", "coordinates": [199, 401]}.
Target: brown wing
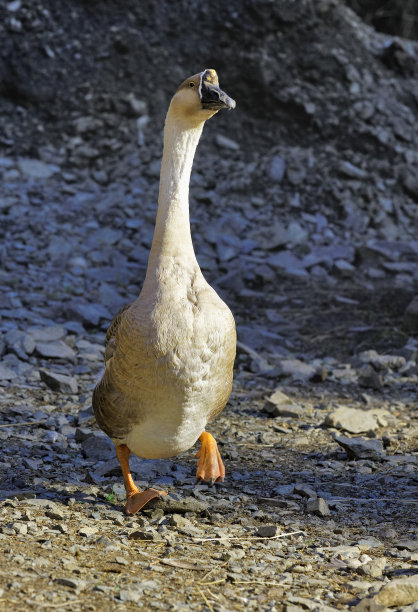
{"type": "Point", "coordinates": [110, 407]}
{"type": "Point", "coordinates": [229, 351]}
{"type": "Point", "coordinates": [112, 331]}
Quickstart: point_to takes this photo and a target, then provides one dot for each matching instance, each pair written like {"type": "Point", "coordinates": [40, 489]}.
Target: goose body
{"type": "Point", "coordinates": [169, 355]}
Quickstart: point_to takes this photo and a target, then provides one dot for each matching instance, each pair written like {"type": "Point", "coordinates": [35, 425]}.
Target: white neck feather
{"type": "Point", "coordinates": [172, 235]}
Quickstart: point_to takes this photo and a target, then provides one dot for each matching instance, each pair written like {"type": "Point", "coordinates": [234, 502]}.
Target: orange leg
{"type": "Point", "coordinates": [135, 499]}
{"type": "Point", "coordinates": [210, 466]}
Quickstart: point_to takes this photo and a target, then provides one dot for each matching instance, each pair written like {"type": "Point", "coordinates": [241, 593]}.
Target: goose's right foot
{"type": "Point", "coordinates": [210, 467]}
{"type": "Point", "coordinates": [135, 499]}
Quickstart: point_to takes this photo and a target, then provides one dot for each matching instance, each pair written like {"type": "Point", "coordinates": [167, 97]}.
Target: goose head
{"type": "Point", "coordinates": [199, 98]}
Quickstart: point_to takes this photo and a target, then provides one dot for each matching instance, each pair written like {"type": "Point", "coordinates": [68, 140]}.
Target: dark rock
{"type": "Point", "coordinates": [20, 343]}
{"type": "Point", "coordinates": [73, 583]}
{"type": "Point", "coordinates": [268, 531]}
{"type": "Point", "coordinates": [55, 350]}
{"type": "Point", "coordinates": [47, 334]}
{"type": "Point", "coordinates": [318, 506]}
{"type": "Point", "coordinates": [34, 168]}
{"type": "Point", "coordinates": [98, 447]}
{"type": "Point", "coordinates": [382, 362]}
{"type": "Point", "coordinates": [59, 382]}
{"type": "Point", "coordinates": [90, 314]}
{"type": "Point", "coordinates": [361, 448]}
{"type": "Point", "coordinates": [352, 171]}
{"type": "Point", "coordinates": [411, 315]}
{"type": "Point", "coordinates": [288, 263]}
{"type": "Point", "coordinates": [305, 491]}
{"type": "Point", "coordinates": [142, 534]}
{"type": "Point", "coordinates": [368, 377]}
{"type": "Point", "coordinates": [276, 169]}
{"type": "Point", "coordinates": [6, 373]}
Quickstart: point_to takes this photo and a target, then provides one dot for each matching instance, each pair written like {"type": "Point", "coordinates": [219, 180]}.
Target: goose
{"type": "Point", "coordinates": [169, 355]}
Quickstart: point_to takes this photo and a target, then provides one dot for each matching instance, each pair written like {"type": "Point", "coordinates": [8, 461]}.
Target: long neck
{"type": "Point", "coordinates": [172, 228]}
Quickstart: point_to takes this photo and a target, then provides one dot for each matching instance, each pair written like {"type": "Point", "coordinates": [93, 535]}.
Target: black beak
{"type": "Point", "coordinates": [213, 98]}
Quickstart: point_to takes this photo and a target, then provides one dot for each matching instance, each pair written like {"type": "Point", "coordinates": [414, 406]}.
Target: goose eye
{"type": "Point", "coordinates": [191, 84]}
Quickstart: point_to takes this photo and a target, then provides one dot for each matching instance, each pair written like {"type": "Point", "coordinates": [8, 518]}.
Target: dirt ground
{"type": "Point", "coordinates": [304, 218]}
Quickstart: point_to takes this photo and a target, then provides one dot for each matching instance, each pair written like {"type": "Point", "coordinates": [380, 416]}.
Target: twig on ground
{"type": "Point", "coordinates": [205, 599]}
{"type": "Point", "coordinates": [213, 569]}
{"type": "Point", "coordinates": [263, 582]}
{"type": "Point", "coordinates": [213, 582]}
{"type": "Point", "coordinates": [248, 539]}
{"type": "Point", "coordinates": [2, 425]}
{"type": "Point", "coordinates": [366, 500]}
{"type": "Point", "coordinates": [64, 604]}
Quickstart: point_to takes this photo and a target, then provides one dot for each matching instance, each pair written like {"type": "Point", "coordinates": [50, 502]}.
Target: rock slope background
{"type": "Point", "coordinates": [304, 213]}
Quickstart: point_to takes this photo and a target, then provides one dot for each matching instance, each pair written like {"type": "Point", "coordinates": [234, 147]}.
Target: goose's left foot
{"type": "Point", "coordinates": [139, 499]}
{"type": "Point", "coordinates": [135, 499]}
{"type": "Point", "coordinates": [210, 467]}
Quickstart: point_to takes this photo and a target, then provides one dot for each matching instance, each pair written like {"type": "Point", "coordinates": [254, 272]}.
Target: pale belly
{"type": "Point", "coordinates": [159, 439]}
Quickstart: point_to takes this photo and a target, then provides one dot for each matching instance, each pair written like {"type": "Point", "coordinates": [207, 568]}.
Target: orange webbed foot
{"type": "Point", "coordinates": [138, 500]}
{"type": "Point", "coordinates": [210, 467]}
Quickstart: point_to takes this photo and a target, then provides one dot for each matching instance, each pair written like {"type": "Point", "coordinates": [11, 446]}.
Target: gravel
{"type": "Point", "coordinates": [303, 209]}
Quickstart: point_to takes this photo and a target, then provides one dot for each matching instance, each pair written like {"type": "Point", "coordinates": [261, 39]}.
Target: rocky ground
{"type": "Point", "coordinates": [304, 217]}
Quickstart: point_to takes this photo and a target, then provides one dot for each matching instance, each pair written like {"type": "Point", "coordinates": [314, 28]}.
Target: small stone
{"type": "Point", "coordinates": [107, 543]}
{"type": "Point", "coordinates": [47, 334]}
{"type": "Point", "coordinates": [34, 168]}
{"type": "Point", "coordinates": [233, 555]}
{"type": "Point", "coordinates": [55, 514]}
{"type": "Point", "coordinates": [129, 595]}
{"type": "Point", "coordinates": [368, 543]}
{"type": "Point", "coordinates": [361, 448]}
{"type": "Point", "coordinates": [276, 169]}
{"type": "Point", "coordinates": [98, 447]}
{"type": "Point", "coordinates": [180, 522]}
{"type": "Point", "coordinates": [121, 561]}
{"type": "Point", "coordinates": [318, 506]}
{"type": "Point", "coordinates": [382, 362]}
{"type": "Point", "coordinates": [87, 124]}
{"type": "Point", "coordinates": [142, 534]}
{"type": "Point", "coordinates": [299, 370]}
{"type": "Point", "coordinates": [279, 404]}
{"type": "Point", "coordinates": [368, 377]}
{"type": "Point", "coordinates": [411, 545]}
{"type": "Point", "coordinates": [368, 605]}
{"type": "Point", "coordinates": [305, 491]}
{"type": "Point", "coordinates": [136, 107]}
{"type": "Point", "coordinates": [352, 171]}
{"type": "Point", "coordinates": [226, 143]}
{"type": "Point", "coordinates": [373, 568]}
{"type": "Point", "coordinates": [55, 350]}
{"type": "Point", "coordinates": [90, 314]}
{"type": "Point", "coordinates": [287, 263]}
{"type": "Point", "coordinates": [20, 528]}
{"type": "Point", "coordinates": [398, 592]}
{"type": "Point", "coordinates": [180, 506]}
{"type": "Point", "coordinates": [352, 420]}
{"type": "Point", "coordinates": [411, 315]}
{"type": "Point", "coordinates": [6, 373]}
{"type": "Point", "coordinates": [70, 582]}
{"type": "Point", "coordinates": [87, 532]}
{"type": "Point", "coordinates": [344, 268]}
{"type": "Point", "coordinates": [13, 6]}
{"type": "Point", "coordinates": [59, 382]}
{"type": "Point", "coordinates": [268, 531]}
